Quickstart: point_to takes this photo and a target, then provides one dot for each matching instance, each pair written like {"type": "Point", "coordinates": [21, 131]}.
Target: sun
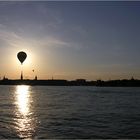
{"type": "Point", "coordinates": [29, 60]}
{"type": "Point", "coordinates": [14, 66]}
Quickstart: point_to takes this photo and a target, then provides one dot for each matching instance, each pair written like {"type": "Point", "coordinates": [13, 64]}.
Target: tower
{"type": "Point", "coordinates": [36, 77]}
{"type": "Point", "coordinates": [21, 77]}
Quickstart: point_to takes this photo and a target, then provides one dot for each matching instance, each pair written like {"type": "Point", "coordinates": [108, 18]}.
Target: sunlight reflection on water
{"type": "Point", "coordinates": [23, 99]}
{"type": "Point", "coordinates": [25, 120]}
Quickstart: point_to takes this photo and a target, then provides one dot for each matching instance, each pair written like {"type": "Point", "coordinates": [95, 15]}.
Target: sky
{"type": "Point", "coordinates": [70, 40]}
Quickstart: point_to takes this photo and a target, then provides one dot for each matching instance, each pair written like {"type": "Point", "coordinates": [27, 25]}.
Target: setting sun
{"type": "Point", "coordinates": [27, 65]}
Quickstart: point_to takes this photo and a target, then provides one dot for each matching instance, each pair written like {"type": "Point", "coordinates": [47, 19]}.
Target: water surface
{"type": "Point", "coordinates": [69, 112]}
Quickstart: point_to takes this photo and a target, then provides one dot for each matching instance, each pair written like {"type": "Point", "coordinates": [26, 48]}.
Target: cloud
{"type": "Point", "coordinates": [52, 42]}
{"type": "Point", "coordinates": [12, 39]}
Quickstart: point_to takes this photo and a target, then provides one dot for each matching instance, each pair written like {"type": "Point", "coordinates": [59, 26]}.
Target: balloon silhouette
{"type": "Point", "coordinates": [21, 56]}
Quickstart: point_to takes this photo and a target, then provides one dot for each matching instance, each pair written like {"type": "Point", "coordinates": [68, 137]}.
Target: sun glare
{"type": "Point", "coordinates": [27, 61]}
{"type": "Point", "coordinates": [15, 66]}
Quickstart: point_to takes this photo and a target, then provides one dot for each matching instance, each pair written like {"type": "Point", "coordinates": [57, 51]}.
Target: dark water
{"type": "Point", "coordinates": [69, 112]}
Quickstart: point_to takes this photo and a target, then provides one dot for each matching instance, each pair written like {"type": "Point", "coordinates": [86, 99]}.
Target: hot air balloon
{"type": "Point", "coordinates": [21, 56]}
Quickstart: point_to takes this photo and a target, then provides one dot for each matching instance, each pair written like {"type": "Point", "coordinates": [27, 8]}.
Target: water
{"type": "Point", "coordinates": [69, 112]}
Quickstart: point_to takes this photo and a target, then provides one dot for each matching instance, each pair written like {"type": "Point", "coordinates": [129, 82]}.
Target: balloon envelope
{"type": "Point", "coordinates": [21, 56]}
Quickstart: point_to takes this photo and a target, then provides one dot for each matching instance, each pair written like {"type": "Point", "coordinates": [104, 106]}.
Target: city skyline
{"type": "Point", "coordinates": [70, 40]}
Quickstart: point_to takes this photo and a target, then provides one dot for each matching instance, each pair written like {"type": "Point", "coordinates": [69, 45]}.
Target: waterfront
{"type": "Point", "coordinates": [69, 112]}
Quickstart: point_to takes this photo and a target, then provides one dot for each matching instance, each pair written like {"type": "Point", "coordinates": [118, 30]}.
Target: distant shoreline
{"type": "Point", "coordinates": [78, 82]}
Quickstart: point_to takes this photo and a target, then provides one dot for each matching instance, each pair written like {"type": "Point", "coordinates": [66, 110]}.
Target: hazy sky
{"type": "Point", "coordinates": [70, 40]}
